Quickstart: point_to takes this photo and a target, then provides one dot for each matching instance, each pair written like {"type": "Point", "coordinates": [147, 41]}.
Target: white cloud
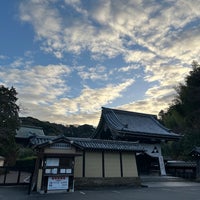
{"type": "Point", "coordinates": [110, 28]}
{"type": "Point", "coordinates": [43, 93]}
{"type": "Point", "coordinates": [38, 84]}
{"type": "Point", "coordinates": [82, 118]}
{"type": "Point", "coordinates": [93, 73]}
{"type": "Point", "coordinates": [82, 109]}
{"type": "Point", "coordinates": [128, 68]}
{"type": "Point", "coordinates": [167, 74]}
{"type": "Point", "coordinates": [90, 100]}
{"type": "Point", "coordinates": [160, 36]}
{"type": "Point", "coordinates": [148, 105]}
{"type": "Point", "coordinates": [46, 22]}
{"type": "Point", "coordinates": [135, 56]}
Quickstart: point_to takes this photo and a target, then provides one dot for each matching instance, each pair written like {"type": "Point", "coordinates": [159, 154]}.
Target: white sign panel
{"type": "Point", "coordinates": [162, 166]}
{"type": "Point", "coordinates": [52, 162]}
{"type": "Point", "coordinates": [58, 183]}
{"type": "Point", "coordinates": [68, 171]}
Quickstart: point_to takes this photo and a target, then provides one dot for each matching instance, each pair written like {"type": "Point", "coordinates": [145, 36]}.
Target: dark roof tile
{"type": "Point", "coordinates": [89, 144]}
{"type": "Point", "coordinates": [132, 123]}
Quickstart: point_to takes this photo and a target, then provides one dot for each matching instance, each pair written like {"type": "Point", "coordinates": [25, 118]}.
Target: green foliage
{"type": "Point", "coordinates": [171, 150]}
{"type": "Point", "coordinates": [9, 109]}
{"type": "Point", "coordinates": [8, 146]}
{"type": "Point", "coordinates": [9, 123]}
{"type": "Point", "coordinates": [183, 115]}
{"type": "Point", "coordinates": [26, 163]}
{"type": "Point", "coordinates": [25, 153]}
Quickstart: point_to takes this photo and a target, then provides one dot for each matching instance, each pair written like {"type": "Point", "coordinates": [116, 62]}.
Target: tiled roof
{"type": "Point", "coordinates": [132, 123]}
{"type": "Point", "coordinates": [38, 140]}
{"type": "Point", "coordinates": [180, 164]}
{"type": "Point", "coordinates": [89, 144]}
{"type": "Point", "coordinates": [27, 131]}
{"type": "Point", "coordinates": [195, 151]}
{"type": "Point", "coordinates": [97, 144]}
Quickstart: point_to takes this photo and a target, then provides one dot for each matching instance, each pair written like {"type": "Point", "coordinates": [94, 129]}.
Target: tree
{"type": "Point", "coordinates": [9, 123]}
{"type": "Point", "coordinates": [183, 115]}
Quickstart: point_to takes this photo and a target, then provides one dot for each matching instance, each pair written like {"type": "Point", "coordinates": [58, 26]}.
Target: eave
{"type": "Point", "coordinates": [142, 135]}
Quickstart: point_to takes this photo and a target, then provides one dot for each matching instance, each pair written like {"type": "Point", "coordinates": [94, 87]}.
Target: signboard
{"type": "Point", "coordinates": [54, 162]}
{"type": "Point", "coordinates": [58, 183]}
{"type": "Point", "coordinates": [65, 171]}
{"type": "Point", "coordinates": [61, 146]}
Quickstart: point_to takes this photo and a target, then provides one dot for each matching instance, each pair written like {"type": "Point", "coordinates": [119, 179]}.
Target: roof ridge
{"type": "Point", "coordinates": [130, 112]}
{"type": "Point", "coordinates": [30, 126]}
{"type": "Point", "coordinates": [101, 140]}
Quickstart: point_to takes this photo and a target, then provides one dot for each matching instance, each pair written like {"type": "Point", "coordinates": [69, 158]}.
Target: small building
{"type": "Point", "coordinates": [120, 125]}
{"type": "Point", "coordinates": [64, 163]}
{"type": "Point", "coordinates": [195, 153]}
{"type": "Point", "coordinates": [25, 132]}
{"type": "Point", "coordinates": [179, 168]}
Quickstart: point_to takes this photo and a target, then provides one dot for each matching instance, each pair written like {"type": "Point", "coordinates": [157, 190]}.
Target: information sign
{"type": "Point", "coordinates": [58, 183]}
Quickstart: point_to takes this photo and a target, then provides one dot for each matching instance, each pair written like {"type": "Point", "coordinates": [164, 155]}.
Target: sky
{"type": "Point", "coordinates": [69, 58]}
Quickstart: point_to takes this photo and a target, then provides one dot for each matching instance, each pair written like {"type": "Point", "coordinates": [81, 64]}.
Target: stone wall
{"type": "Point", "coordinates": [87, 183]}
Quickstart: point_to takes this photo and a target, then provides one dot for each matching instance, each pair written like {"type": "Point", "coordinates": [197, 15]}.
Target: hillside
{"type": "Point", "coordinates": [59, 129]}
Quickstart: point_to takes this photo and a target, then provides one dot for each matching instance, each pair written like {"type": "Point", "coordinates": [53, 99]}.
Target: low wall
{"type": "Point", "coordinates": [84, 183]}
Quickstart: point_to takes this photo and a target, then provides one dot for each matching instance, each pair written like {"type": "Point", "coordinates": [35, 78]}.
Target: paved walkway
{"type": "Point", "coordinates": [187, 192]}
{"type": "Point", "coordinates": [171, 184]}
{"type": "Point", "coordinates": [166, 181]}
{"type": "Point", "coordinates": [154, 190]}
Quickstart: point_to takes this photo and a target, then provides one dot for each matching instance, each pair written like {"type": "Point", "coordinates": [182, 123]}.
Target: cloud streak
{"type": "Point", "coordinates": [136, 30]}
{"type": "Point", "coordinates": [152, 40]}
{"type": "Point", "coordinates": [43, 91]}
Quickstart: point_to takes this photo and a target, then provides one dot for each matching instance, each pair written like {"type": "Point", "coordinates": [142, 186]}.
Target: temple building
{"type": "Point", "coordinates": [65, 163]}
{"type": "Point", "coordinates": [120, 125]}
{"type": "Point", "coordinates": [124, 146]}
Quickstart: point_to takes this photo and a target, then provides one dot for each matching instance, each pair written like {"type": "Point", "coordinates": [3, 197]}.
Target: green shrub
{"type": "Point", "coordinates": [25, 152]}
{"type": "Point", "coordinates": [26, 164]}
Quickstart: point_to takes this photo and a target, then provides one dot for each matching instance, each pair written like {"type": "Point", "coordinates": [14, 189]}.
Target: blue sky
{"type": "Point", "coordinates": [68, 58]}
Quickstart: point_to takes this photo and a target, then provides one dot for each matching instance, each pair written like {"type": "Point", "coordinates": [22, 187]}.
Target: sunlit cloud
{"type": "Point", "coordinates": [43, 91]}
{"type": "Point", "coordinates": [93, 73]}
{"type": "Point", "coordinates": [156, 39]}
{"type": "Point", "coordinates": [90, 100]}
{"type": "Point", "coordinates": [37, 84]}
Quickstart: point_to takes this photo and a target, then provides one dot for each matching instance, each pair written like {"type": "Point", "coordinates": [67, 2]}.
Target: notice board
{"type": "Point", "coordinates": [58, 183]}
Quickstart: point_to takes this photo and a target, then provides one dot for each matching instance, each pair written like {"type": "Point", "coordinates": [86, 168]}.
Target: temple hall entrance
{"type": "Point", "coordinates": [147, 165]}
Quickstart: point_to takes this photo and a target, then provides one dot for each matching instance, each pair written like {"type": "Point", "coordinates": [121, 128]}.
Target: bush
{"type": "Point", "coordinates": [24, 153]}
{"type": "Point", "coordinates": [26, 164]}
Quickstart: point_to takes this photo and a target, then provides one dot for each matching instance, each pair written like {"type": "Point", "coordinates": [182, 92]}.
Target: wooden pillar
{"type": "Point", "coordinates": [33, 181]}
{"type": "Point", "coordinates": [198, 168]}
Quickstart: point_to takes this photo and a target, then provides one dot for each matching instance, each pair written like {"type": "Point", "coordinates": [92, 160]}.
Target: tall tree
{"type": "Point", "coordinates": [9, 123]}
{"type": "Point", "coordinates": [184, 113]}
